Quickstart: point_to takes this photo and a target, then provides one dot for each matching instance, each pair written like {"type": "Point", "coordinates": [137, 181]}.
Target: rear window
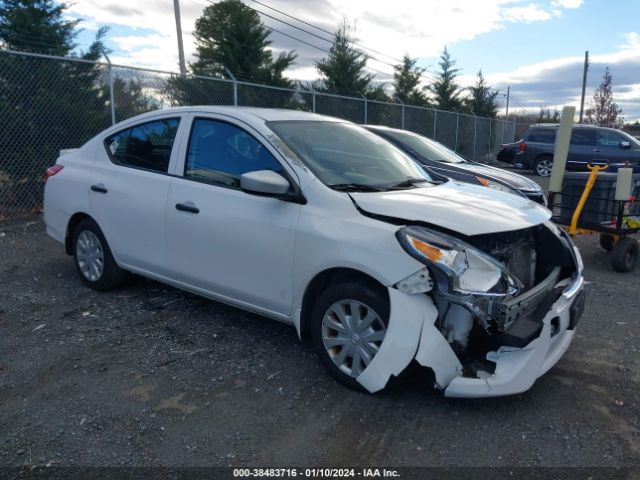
{"type": "Point", "coordinates": [146, 146]}
{"type": "Point", "coordinates": [542, 135]}
{"type": "Point", "coordinates": [583, 137]}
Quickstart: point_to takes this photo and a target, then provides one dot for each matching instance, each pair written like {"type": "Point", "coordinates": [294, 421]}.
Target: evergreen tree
{"type": "Point", "coordinates": [230, 34]}
{"type": "Point", "coordinates": [406, 83]}
{"type": "Point", "coordinates": [482, 99]}
{"type": "Point", "coordinates": [444, 88]}
{"type": "Point", "coordinates": [343, 71]}
{"type": "Point", "coordinates": [41, 98]}
{"type": "Point", "coordinates": [605, 112]}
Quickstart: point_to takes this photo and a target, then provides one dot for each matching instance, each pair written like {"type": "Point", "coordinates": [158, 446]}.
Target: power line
{"type": "Point", "coordinates": [323, 30]}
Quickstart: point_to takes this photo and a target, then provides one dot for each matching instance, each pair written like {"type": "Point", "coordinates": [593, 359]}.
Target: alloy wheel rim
{"type": "Point", "coordinates": [544, 168]}
{"type": "Point", "coordinates": [89, 255]}
{"type": "Point", "coordinates": [352, 333]}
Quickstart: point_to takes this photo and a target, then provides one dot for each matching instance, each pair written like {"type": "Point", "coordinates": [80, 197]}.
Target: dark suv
{"type": "Point", "coordinates": [589, 144]}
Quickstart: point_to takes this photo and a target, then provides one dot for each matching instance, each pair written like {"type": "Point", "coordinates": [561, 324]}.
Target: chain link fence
{"type": "Point", "coordinates": [52, 103]}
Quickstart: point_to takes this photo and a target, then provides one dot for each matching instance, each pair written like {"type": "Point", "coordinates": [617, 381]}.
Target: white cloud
{"type": "Point", "coordinates": [420, 29]}
{"type": "Point", "coordinates": [567, 3]}
{"type": "Point", "coordinates": [529, 13]}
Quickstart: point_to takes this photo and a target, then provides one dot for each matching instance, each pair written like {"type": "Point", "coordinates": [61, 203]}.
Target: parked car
{"type": "Point", "coordinates": [444, 161]}
{"type": "Point", "coordinates": [319, 223]}
{"type": "Point", "coordinates": [588, 145]}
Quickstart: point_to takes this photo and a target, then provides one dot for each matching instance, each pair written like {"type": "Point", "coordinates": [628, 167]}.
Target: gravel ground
{"type": "Point", "coordinates": [149, 375]}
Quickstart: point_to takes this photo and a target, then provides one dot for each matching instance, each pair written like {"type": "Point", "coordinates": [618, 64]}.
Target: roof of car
{"type": "Point", "coordinates": [575, 125]}
{"type": "Point", "coordinates": [266, 114]}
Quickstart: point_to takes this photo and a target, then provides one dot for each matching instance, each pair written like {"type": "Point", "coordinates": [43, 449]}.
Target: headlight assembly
{"type": "Point", "coordinates": [496, 186]}
{"type": "Point", "coordinates": [458, 267]}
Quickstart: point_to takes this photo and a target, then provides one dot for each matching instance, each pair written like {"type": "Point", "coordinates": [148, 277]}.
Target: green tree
{"type": "Point", "coordinates": [482, 99]}
{"type": "Point", "coordinates": [545, 116]}
{"type": "Point", "coordinates": [444, 88]}
{"type": "Point", "coordinates": [36, 25]}
{"type": "Point", "coordinates": [605, 112]}
{"type": "Point", "coordinates": [230, 34]}
{"type": "Point", "coordinates": [45, 104]}
{"type": "Point", "coordinates": [343, 71]}
{"type": "Point", "coordinates": [406, 83]}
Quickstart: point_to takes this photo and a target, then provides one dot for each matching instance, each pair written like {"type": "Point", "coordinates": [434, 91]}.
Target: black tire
{"type": "Point", "coordinates": [111, 275]}
{"type": "Point", "coordinates": [363, 292]}
{"type": "Point", "coordinates": [542, 166]}
{"type": "Point", "coordinates": [624, 256]}
{"type": "Point", "coordinates": [607, 242]}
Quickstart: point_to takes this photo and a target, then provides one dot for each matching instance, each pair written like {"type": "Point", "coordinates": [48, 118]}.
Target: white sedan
{"type": "Point", "coordinates": [319, 223]}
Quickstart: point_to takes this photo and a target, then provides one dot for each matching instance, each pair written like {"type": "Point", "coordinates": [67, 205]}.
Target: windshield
{"type": "Point", "coordinates": [342, 154]}
{"type": "Point", "coordinates": [426, 148]}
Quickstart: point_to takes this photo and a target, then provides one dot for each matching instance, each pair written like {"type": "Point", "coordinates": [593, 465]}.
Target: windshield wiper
{"type": "Point", "coordinates": [356, 187]}
{"type": "Point", "coordinates": [409, 182]}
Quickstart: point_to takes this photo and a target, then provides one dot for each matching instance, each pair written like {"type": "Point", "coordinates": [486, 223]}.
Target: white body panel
{"type": "Point", "coordinates": [261, 253]}
{"type": "Point", "coordinates": [457, 206]}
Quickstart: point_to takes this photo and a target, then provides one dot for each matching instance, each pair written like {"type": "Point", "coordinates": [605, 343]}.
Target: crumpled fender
{"type": "Point", "coordinates": [411, 334]}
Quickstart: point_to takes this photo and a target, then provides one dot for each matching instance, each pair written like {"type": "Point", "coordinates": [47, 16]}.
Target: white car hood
{"type": "Point", "coordinates": [460, 207]}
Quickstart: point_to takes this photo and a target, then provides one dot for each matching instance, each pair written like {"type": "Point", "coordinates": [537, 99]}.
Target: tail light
{"type": "Point", "coordinates": [52, 170]}
{"type": "Point", "coordinates": [522, 147]}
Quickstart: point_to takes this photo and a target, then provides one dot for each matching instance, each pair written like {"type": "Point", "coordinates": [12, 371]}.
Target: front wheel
{"type": "Point", "coordinates": [93, 257]}
{"type": "Point", "coordinates": [624, 256]}
{"type": "Point", "coordinates": [543, 166]}
{"type": "Point", "coordinates": [348, 325]}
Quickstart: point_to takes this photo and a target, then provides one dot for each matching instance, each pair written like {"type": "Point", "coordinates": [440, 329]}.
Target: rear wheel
{"type": "Point", "coordinates": [607, 241]}
{"type": "Point", "coordinates": [348, 325]}
{"type": "Point", "coordinates": [624, 256]}
{"type": "Point", "coordinates": [543, 165]}
{"type": "Point", "coordinates": [93, 257]}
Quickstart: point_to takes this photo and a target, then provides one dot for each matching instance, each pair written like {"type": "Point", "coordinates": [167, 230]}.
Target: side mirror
{"type": "Point", "coordinates": [624, 144]}
{"type": "Point", "coordinates": [265, 182]}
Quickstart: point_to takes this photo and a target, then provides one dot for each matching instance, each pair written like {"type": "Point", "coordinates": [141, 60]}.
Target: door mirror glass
{"type": "Point", "coordinates": [624, 144]}
{"type": "Point", "coordinates": [266, 182]}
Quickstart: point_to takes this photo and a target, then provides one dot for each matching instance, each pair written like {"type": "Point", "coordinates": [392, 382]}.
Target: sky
{"type": "Point", "coordinates": [536, 47]}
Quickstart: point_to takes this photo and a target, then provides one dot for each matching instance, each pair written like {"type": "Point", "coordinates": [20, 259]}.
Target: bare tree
{"type": "Point", "coordinates": [605, 112]}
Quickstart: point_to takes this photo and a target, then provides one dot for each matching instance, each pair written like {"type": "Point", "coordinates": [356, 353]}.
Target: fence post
{"type": "Point", "coordinates": [402, 121]}
{"type": "Point", "coordinates": [475, 134]}
{"type": "Point", "coordinates": [112, 102]}
{"type": "Point", "coordinates": [235, 86]}
{"type": "Point", "coordinates": [435, 121]}
{"type": "Point", "coordinates": [490, 133]}
{"type": "Point", "coordinates": [457, 123]}
{"type": "Point", "coordinates": [313, 100]}
{"type": "Point", "coordinates": [365, 109]}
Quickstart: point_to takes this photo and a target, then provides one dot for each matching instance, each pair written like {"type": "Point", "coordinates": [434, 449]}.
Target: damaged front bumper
{"type": "Point", "coordinates": [412, 334]}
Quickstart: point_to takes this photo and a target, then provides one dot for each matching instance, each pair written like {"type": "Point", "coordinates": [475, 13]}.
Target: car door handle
{"type": "Point", "coordinates": [98, 188]}
{"type": "Point", "coordinates": [597, 150]}
{"type": "Point", "coordinates": [187, 207]}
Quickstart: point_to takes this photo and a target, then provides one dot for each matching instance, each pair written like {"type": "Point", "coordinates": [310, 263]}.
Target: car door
{"type": "Point", "coordinates": [233, 244]}
{"type": "Point", "coordinates": [581, 146]}
{"type": "Point", "coordinates": [129, 188]}
{"type": "Point", "coordinates": [609, 146]}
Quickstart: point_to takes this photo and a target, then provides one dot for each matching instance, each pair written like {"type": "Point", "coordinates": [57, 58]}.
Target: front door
{"type": "Point", "coordinates": [221, 239]}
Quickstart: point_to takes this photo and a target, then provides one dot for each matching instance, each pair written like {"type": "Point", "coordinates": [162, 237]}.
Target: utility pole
{"type": "Point", "coordinates": [176, 9]}
{"type": "Point", "coordinates": [506, 113]}
{"type": "Point", "coordinates": [584, 83]}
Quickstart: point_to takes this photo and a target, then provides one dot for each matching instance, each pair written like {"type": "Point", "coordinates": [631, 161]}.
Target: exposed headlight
{"type": "Point", "coordinates": [495, 185]}
{"type": "Point", "coordinates": [457, 266]}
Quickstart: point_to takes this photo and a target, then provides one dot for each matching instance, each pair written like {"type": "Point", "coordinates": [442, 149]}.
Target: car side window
{"type": "Point", "coordinates": [146, 146]}
{"type": "Point", "coordinates": [220, 152]}
{"type": "Point", "coordinates": [583, 137]}
{"type": "Point", "coordinates": [609, 139]}
{"type": "Point", "coordinates": [542, 135]}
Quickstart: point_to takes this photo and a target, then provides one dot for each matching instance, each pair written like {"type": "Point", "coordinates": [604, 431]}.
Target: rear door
{"type": "Point", "coordinates": [581, 146]}
{"type": "Point", "coordinates": [220, 239]}
{"type": "Point", "coordinates": [129, 186]}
